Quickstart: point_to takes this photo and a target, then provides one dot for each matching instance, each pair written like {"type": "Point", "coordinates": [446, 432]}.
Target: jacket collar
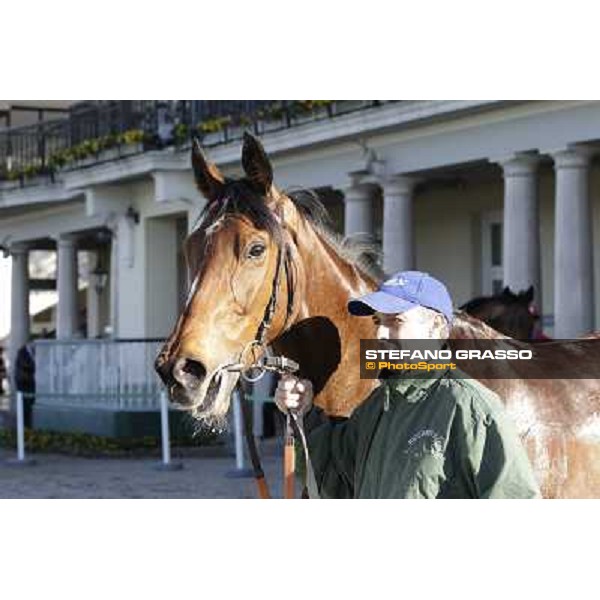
{"type": "Point", "coordinates": [413, 387]}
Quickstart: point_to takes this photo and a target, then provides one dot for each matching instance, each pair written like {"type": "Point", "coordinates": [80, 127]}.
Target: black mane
{"type": "Point", "coordinates": [240, 198]}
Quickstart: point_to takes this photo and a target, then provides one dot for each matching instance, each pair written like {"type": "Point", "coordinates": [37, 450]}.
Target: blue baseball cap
{"type": "Point", "coordinates": [403, 291]}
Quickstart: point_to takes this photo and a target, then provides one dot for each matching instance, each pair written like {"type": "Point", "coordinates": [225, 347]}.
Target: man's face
{"type": "Point", "coordinates": [410, 325]}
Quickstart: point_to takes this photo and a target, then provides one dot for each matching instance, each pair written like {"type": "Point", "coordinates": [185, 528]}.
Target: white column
{"type": "Point", "coordinates": [67, 317]}
{"type": "Point", "coordinates": [114, 282]}
{"type": "Point", "coordinates": [398, 224]}
{"type": "Point", "coordinates": [573, 274]}
{"type": "Point", "coordinates": [521, 227]}
{"type": "Point", "coordinates": [19, 309]}
{"type": "Point", "coordinates": [358, 207]}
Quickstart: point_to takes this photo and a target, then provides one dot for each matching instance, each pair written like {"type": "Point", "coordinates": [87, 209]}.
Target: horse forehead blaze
{"type": "Point", "coordinates": [226, 299]}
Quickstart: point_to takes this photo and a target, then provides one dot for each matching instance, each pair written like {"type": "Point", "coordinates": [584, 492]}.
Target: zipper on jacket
{"type": "Point", "coordinates": [359, 473]}
{"type": "Point", "coordinates": [386, 399]}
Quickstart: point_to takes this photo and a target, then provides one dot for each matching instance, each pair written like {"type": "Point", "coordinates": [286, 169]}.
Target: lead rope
{"type": "Point", "coordinates": [310, 481]}
{"type": "Point", "coordinates": [280, 364]}
{"type": "Point", "coordinates": [294, 425]}
{"type": "Point", "coordinates": [259, 475]}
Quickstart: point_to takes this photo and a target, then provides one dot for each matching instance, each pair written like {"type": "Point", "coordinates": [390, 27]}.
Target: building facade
{"type": "Point", "coordinates": [481, 194]}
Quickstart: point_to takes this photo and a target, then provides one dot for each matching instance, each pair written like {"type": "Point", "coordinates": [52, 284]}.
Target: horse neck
{"type": "Point", "coordinates": [333, 277]}
{"type": "Point", "coordinates": [471, 328]}
{"type": "Point", "coordinates": [324, 328]}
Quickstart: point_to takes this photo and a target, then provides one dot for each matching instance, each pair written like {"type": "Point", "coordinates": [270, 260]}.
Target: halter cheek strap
{"type": "Point", "coordinates": [283, 262]}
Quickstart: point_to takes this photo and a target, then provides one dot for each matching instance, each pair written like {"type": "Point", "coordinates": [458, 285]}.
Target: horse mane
{"type": "Point", "coordinates": [240, 198]}
{"type": "Point", "coordinates": [467, 326]}
{"type": "Point", "coordinates": [360, 250]}
{"type": "Point", "coordinates": [476, 303]}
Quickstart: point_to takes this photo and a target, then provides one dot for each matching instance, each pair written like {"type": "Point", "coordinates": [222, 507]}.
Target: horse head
{"type": "Point", "coordinates": [242, 267]}
{"type": "Point", "coordinates": [509, 313]}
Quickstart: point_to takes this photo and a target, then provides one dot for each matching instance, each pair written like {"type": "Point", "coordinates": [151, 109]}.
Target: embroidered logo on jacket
{"type": "Point", "coordinates": [425, 441]}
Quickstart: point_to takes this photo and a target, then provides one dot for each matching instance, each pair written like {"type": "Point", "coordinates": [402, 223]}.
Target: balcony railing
{"type": "Point", "coordinates": [110, 130]}
{"type": "Point", "coordinates": [109, 374]}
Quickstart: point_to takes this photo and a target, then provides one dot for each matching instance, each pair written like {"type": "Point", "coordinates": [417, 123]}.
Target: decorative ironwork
{"type": "Point", "coordinates": [102, 131]}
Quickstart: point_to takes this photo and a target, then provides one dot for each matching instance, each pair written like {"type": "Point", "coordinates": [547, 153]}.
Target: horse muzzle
{"type": "Point", "coordinates": [183, 378]}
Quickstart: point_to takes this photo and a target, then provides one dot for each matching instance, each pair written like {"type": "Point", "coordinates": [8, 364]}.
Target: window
{"type": "Point", "coordinates": [492, 276]}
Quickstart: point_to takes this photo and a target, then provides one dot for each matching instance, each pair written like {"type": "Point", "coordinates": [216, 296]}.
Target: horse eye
{"type": "Point", "coordinates": [256, 250]}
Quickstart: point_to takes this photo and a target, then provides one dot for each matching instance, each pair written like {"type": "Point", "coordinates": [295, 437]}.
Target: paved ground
{"type": "Point", "coordinates": [57, 476]}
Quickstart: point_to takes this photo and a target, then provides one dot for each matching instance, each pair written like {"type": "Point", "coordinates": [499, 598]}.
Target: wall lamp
{"type": "Point", "coordinates": [133, 216]}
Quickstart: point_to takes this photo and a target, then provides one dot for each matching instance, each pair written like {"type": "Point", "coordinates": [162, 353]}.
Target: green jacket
{"type": "Point", "coordinates": [430, 436]}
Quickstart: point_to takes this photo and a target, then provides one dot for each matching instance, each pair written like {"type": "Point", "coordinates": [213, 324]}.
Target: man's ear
{"type": "Point", "coordinates": [257, 165]}
{"type": "Point", "coordinates": [208, 178]}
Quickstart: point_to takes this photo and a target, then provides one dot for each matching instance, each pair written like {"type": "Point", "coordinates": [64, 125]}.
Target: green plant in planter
{"type": "Point", "coordinates": [108, 141]}
{"type": "Point", "coordinates": [83, 444]}
{"type": "Point", "coordinates": [58, 159]}
{"type": "Point", "coordinates": [31, 170]}
{"type": "Point", "coordinates": [306, 107]}
{"type": "Point", "coordinates": [132, 136]}
{"type": "Point", "coordinates": [244, 121]}
{"type": "Point", "coordinates": [82, 150]}
{"type": "Point", "coordinates": [214, 125]}
{"type": "Point", "coordinates": [274, 112]}
{"type": "Point", "coordinates": [180, 133]}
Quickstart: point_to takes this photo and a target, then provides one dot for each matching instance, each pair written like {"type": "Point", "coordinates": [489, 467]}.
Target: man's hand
{"type": "Point", "coordinates": [293, 394]}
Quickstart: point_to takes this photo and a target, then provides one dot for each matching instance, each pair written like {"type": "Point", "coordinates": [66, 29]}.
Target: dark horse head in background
{"type": "Point", "coordinates": [508, 313]}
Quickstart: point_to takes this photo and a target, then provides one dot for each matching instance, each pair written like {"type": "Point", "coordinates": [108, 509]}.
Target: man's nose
{"type": "Point", "coordinates": [383, 333]}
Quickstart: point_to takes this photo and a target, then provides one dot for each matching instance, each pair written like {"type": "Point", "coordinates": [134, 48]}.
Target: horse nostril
{"type": "Point", "coordinates": [163, 368]}
{"type": "Point", "coordinates": [188, 372]}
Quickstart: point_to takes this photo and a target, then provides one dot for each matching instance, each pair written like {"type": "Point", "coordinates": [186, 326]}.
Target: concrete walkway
{"type": "Point", "coordinates": [57, 476]}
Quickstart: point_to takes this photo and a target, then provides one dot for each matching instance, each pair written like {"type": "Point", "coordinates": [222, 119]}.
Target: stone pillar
{"type": "Point", "coordinates": [114, 283]}
{"type": "Point", "coordinates": [398, 224]}
{"type": "Point", "coordinates": [19, 309]}
{"type": "Point", "coordinates": [358, 207]}
{"type": "Point", "coordinates": [521, 227]}
{"type": "Point", "coordinates": [67, 314]}
{"type": "Point", "coordinates": [573, 273]}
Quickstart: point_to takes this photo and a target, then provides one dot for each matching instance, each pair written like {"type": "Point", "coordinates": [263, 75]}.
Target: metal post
{"type": "Point", "coordinates": [21, 459]}
{"type": "Point", "coordinates": [238, 433]}
{"type": "Point", "coordinates": [164, 424]}
{"type": "Point", "coordinates": [241, 470]}
{"type": "Point", "coordinates": [20, 427]}
{"type": "Point", "coordinates": [167, 464]}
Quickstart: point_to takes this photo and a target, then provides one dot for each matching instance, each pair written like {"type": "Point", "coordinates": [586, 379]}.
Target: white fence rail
{"type": "Point", "coordinates": [112, 374]}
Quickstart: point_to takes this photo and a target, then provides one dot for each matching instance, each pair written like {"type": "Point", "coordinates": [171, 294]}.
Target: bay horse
{"type": "Point", "coordinates": [254, 243]}
{"type": "Point", "coordinates": [247, 228]}
{"type": "Point", "coordinates": [508, 313]}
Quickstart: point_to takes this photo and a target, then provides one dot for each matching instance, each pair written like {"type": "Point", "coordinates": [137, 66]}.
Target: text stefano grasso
{"type": "Point", "coordinates": [446, 354]}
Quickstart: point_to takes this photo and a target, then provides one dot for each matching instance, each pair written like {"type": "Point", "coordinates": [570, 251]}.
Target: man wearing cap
{"type": "Point", "coordinates": [421, 435]}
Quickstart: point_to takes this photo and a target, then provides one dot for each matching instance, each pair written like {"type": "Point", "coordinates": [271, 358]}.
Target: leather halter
{"type": "Point", "coordinates": [280, 364]}
{"type": "Point", "coordinates": [294, 423]}
{"type": "Point", "coordinates": [283, 260]}
{"type": "Point", "coordinates": [271, 307]}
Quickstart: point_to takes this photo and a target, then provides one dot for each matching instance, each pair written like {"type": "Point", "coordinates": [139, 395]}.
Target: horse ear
{"type": "Point", "coordinates": [209, 179]}
{"type": "Point", "coordinates": [256, 163]}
